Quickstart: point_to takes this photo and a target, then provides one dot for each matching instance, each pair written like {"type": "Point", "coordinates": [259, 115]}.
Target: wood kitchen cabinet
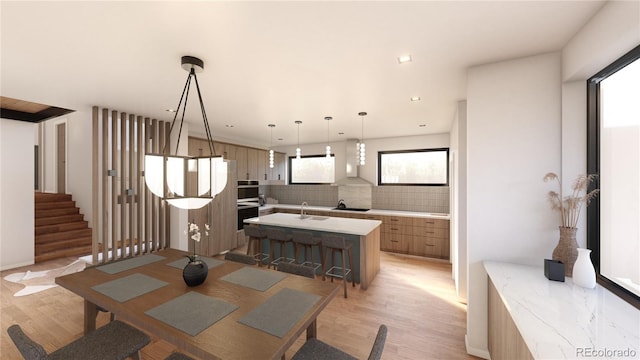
{"type": "Point", "coordinates": [242, 167]}
{"type": "Point", "coordinates": [396, 233]}
{"type": "Point", "coordinates": [220, 213]}
{"type": "Point", "coordinates": [279, 166]}
{"type": "Point", "coordinates": [263, 165]}
{"type": "Point", "coordinates": [252, 164]}
{"type": "Point", "coordinates": [430, 238]}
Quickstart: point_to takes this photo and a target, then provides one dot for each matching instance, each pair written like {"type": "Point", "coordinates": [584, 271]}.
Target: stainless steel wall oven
{"type": "Point", "coordinates": [248, 206]}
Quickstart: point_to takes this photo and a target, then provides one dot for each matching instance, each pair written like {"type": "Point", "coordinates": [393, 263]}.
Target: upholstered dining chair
{"type": "Point", "coordinates": [116, 340]}
{"type": "Point", "coordinates": [239, 257]}
{"type": "Point", "coordinates": [314, 349]}
{"type": "Point", "coordinates": [297, 269]}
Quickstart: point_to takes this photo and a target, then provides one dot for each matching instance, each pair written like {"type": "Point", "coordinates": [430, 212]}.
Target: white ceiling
{"type": "Point", "coordinates": [275, 62]}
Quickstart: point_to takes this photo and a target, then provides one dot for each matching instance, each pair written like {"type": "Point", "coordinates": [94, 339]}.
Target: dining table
{"type": "Point", "coordinates": [239, 312]}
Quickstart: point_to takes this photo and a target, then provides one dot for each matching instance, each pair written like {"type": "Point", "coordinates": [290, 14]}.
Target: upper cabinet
{"type": "Point", "coordinates": [251, 163]}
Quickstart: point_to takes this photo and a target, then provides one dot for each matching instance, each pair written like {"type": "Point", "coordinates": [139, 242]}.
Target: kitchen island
{"type": "Point", "coordinates": [363, 234]}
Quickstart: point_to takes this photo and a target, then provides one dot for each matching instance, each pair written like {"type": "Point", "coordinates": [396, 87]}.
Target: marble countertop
{"type": "Point", "coordinates": [317, 223]}
{"type": "Point", "coordinates": [379, 212]}
{"type": "Point", "coordinates": [560, 320]}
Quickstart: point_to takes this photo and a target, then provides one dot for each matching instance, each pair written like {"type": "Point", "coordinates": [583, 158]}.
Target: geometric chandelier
{"type": "Point", "coordinates": [186, 182]}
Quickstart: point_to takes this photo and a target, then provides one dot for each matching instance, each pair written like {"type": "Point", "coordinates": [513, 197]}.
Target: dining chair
{"type": "Point", "coordinates": [239, 257]}
{"type": "Point", "coordinates": [297, 269]}
{"type": "Point", "coordinates": [116, 340]}
{"type": "Point", "coordinates": [314, 349]}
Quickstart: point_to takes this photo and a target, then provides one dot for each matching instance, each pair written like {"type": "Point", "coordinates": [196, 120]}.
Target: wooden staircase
{"type": "Point", "coordinates": [60, 229]}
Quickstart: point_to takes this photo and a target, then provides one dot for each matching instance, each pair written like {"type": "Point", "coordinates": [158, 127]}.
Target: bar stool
{"type": "Point", "coordinates": [256, 235]}
{"type": "Point", "coordinates": [282, 238]}
{"type": "Point", "coordinates": [333, 243]}
{"type": "Point", "coordinates": [305, 240]}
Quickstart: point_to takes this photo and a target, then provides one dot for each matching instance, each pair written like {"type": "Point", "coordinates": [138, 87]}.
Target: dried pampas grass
{"type": "Point", "coordinates": [570, 206]}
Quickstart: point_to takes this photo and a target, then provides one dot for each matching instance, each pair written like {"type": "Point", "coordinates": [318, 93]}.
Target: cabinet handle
{"type": "Point", "coordinates": [394, 219]}
{"type": "Point", "coordinates": [429, 245]}
{"type": "Point", "coordinates": [395, 240]}
{"type": "Point", "coordinates": [395, 229]}
{"type": "Point", "coordinates": [265, 176]}
{"type": "Point", "coordinates": [429, 232]}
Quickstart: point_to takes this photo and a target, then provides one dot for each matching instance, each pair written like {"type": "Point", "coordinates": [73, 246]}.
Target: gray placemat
{"type": "Point", "coordinates": [279, 313]}
{"type": "Point", "coordinates": [255, 279]}
{"type": "Point", "coordinates": [128, 264]}
{"type": "Point", "coordinates": [211, 263]}
{"type": "Point", "coordinates": [128, 287]}
{"type": "Point", "coordinates": [192, 312]}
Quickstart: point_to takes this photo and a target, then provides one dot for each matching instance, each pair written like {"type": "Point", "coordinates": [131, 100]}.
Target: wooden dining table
{"type": "Point", "coordinates": [256, 313]}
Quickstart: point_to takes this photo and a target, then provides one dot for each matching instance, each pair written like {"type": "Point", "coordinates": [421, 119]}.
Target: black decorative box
{"type": "Point", "coordinates": [554, 270]}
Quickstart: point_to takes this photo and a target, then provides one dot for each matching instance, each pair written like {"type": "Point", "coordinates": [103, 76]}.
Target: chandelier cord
{"type": "Point", "coordinates": [184, 110]}
{"type": "Point", "coordinates": [184, 90]}
{"type": "Point", "coordinates": [207, 129]}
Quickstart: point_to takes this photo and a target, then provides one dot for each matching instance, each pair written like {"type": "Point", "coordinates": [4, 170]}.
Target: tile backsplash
{"type": "Point", "coordinates": [405, 198]}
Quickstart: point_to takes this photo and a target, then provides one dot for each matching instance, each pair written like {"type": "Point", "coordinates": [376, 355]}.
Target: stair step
{"type": "Point", "coordinates": [59, 219]}
{"type": "Point", "coordinates": [63, 245]}
{"type": "Point", "coordinates": [55, 205]}
{"type": "Point", "coordinates": [49, 197]}
{"type": "Point", "coordinates": [62, 236]}
{"type": "Point", "coordinates": [56, 212]}
{"type": "Point", "coordinates": [47, 229]}
{"type": "Point", "coordinates": [73, 252]}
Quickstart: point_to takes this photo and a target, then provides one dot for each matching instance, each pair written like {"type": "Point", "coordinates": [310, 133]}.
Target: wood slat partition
{"type": "Point", "coordinates": [128, 220]}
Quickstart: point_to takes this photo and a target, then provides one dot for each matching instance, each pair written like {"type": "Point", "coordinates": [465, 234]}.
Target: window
{"type": "Point", "coordinates": [414, 167]}
{"type": "Point", "coordinates": [312, 169]}
{"type": "Point", "coordinates": [613, 152]}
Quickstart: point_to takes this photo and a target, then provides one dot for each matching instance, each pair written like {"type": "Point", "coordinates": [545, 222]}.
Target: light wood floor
{"type": "Point", "coordinates": [414, 297]}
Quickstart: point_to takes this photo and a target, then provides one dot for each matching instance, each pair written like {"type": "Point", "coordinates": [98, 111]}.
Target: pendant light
{"type": "Point", "coordinates": [360, 145]}
{"type": "Point", "coordinates": [186, 182]}
{"type": "Point", "coordinates": [271, 146]}
{"type": "Point", "coordinates": [328, 149]}
{"type": "Point", "coordinates": [298, 122]}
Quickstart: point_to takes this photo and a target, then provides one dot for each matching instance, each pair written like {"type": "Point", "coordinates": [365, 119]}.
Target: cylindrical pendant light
{"type": "Point", "coordinates": [360, 145]}
{"type": "Point", "coordinates": [298, 122]}
{"type": "Point", "coordinates": [328, 148]}
{"type": "Point", "coordinates": [271, 155]}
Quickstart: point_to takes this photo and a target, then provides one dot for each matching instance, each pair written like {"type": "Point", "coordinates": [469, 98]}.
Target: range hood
{"type": "Point", "coordinates": [352, 178]}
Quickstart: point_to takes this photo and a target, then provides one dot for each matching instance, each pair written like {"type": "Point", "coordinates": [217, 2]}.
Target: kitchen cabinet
{"type": "Point", "coordinates": [252, 164]}
{"type": "Point", "coordinates": [430, 238]}
{"type": "Point", "coordinates": [220, 213]}
{"type": "Point", "coordinates": [277, 173]}
{"type": "Point", "coordinates": [263, 165]}
{"type": "Point", "coordinates": [242, 167]}
{"type": "Point", "coordinates": [396, 234]}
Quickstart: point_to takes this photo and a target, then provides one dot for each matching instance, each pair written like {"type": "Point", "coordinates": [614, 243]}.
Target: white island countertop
{"type": "Point", "coordinates": [560, 320]}
{"type": "Point", "coordinates": [350, 226]}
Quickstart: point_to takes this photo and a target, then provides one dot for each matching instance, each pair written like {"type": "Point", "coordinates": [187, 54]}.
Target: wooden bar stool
{"type": "Point", "coordinates": [256, 235]}
{"type": "Point", "coordinates": [305, 240]}
{"type": "Point", "coordinates": [334, 243]}
{"type": "Point", "coordinates": [282, 238]}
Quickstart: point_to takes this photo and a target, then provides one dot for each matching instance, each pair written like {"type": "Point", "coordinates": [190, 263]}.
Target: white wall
{"type": "Point", "coordinates": [513, 139]}
{"type": "Point", "coordinates": [458, 229]}
{"type": "Point", "coordinates": [16, 193]}
{"type": "Point", "coordinates": [79, 158]}
{"type": "Point", "coordinates": [369, 171]}
{"type": "Point", "coordinates": [610, 34]}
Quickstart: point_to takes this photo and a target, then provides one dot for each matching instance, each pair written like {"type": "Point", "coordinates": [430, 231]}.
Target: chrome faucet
{"type": "Point", "coordinates": [304, 203]}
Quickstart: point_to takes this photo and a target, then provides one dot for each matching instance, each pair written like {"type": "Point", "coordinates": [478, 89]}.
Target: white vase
{"type": "Point", "coordinates": [583, 272]}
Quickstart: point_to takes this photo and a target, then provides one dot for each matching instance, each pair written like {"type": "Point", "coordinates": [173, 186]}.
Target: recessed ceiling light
{"type": "Point", "coordinates": [170, 110]}
{"type": "Point", "coordinates": [415, 98]}
{"type": "Point", "coordinates": [340, 133]}
{"type": "Point", "coordinates": [229, 125]}
{"type": "Point", "coordinates": [422, 125]}
{"type": "Point", "coordinates": [280, 139]}
{"type": "Point", "coordinates": [404, 59]}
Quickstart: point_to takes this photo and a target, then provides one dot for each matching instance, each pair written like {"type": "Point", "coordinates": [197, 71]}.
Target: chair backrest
{"type": "Point", "coordinates": [303, 237]}
{"type": "Point", "coordinates": [239, 257]}
{"type": "Point", "coordinates": [277, 234]}
{"type": "Point", "coordinates": [297, 269]}
{"type": "Point", "coordinates": [254, 232]}
{"type": "Point", "coordinates": [334, 241]}
{"type": "Point", "coordinates": [378, 344]}
{"type": "Point", "coordinates": [29, 349]}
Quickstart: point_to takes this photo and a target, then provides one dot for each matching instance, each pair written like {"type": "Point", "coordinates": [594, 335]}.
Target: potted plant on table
{"type": "Point", "coordinates": [196, 270]}
{"type": "Point", "coordinates": [569, 208]}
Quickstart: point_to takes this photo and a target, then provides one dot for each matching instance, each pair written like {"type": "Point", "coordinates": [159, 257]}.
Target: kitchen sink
{"type": "Point", "coordinates": [319, 217]}
{"type": "Point", "coordinates": [351, 209]}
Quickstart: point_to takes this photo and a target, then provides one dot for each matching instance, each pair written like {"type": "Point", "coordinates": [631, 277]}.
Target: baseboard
{"type": "Point", "coordinates": [16, 265]}
{"type": "Point", "coordinates": [475, 351]}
